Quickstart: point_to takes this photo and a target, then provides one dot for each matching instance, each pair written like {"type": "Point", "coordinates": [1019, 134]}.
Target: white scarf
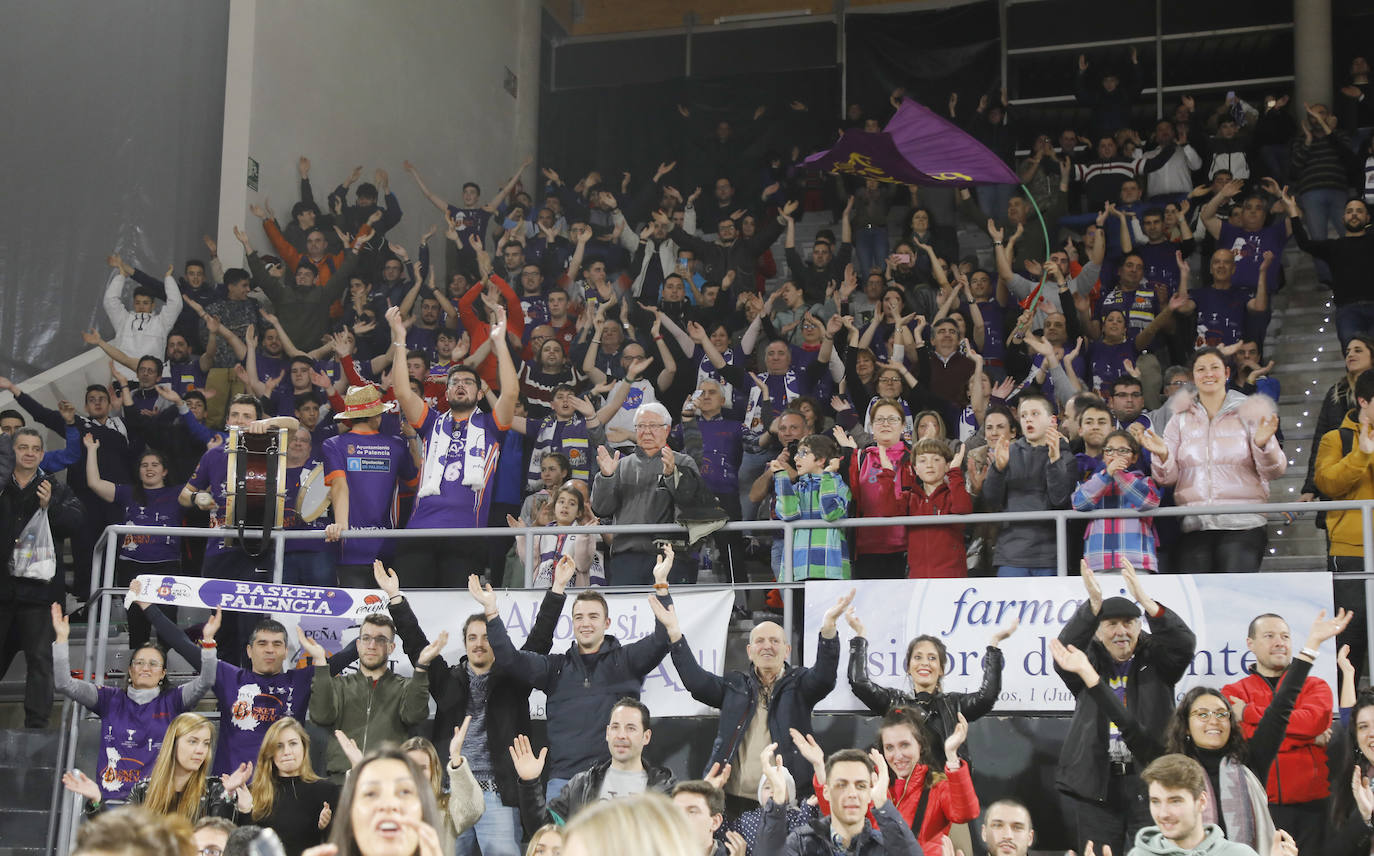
{"type": "Point", "coordinates": [474, 451]}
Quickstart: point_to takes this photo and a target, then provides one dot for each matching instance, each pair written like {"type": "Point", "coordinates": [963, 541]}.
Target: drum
{"type": "Point", "coordinates": [255, 490]}
{"type": "Point", "coordinates": [312, 500]}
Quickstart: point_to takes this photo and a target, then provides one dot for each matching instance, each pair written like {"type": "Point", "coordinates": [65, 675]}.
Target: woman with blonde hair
{"type": "Point", "coordinates": [134, 832]}
{"type": "Point", "coordinates": [547, 840]}
{"type": "Point", "coordinates": [630, 826]}
{"type": "Point", "coordinates": [288, 796]}
{"type": "Point", "coordinates": [180, 783]}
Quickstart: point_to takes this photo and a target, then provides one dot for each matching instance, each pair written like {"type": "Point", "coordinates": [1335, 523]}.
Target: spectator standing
{"type": "Point", "coordinates": [819, 493]}
{"type": "Point", "coordinates": [1036, 472]}
{"type": "Point", "coordinates": [1350, 258]}
{"type": "Point", "coordinates": [881, 550]}
{"type": "Point", "coordinates": [25, 604]}
{"type": "Point", "coordinates": [461, 451]}
{"type": "Point", "coordinates": [937, 487]}
{"type": "Point", "coordinates": [1297, 783]}
{"type": "Point", "coordinates": [1097, 774]}
{"type": "Point", "coordinates": [141, 331]}
{"type": "Point", "coordinates": [585, 683]}
{"type": "Point", "coordinates": [373, 705]}
{"type": "Point", "coordinates": [1113, 542]}
{"type": "Point", "coordinates": [770, 705]}
{"type": "Point", "coordinates": [1218, 447]}
{"type": "Point", "coordinates": [653, 484]}
{"type": "Point", "coordinates": [1321, 159]}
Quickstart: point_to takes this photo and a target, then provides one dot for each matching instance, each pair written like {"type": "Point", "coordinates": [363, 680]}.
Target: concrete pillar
{"type": "Point", "coordinates": [1311, 53]}
{"type": "Point", "coordinates": [527, 71]}
{"type": "Point", "coordinates": [238, 114]}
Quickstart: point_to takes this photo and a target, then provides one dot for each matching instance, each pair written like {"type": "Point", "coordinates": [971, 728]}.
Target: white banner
{"type": "Point", "coordinates": [704, 617]}
{"type": "Point", "coordinates": [964, 613]}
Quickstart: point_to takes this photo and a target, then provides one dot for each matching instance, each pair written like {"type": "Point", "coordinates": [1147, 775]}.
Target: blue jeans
{"type": "Point", "coordinates": [308, 568]}
{"type": "Point", "coordinates": [1323, 212]}
{"type": "Point", "coordinates": [1353, 319]}
{"type": "Point", "coordinates": [751, 466]}
{"type": "Point", "coordinates": [993, 199]}
{"type": "Point", "coordinates": [498, 831]}
{"type": "Point", "coordinates": [554, 788]}
{"type": "Point", "coordinates": [870, 246]}
{"type": "Point", "coordinates": [1015, 571]}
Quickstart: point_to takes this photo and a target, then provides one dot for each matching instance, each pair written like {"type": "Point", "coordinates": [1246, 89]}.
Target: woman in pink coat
{"type": "Point", "coordinates": [1218, 448]}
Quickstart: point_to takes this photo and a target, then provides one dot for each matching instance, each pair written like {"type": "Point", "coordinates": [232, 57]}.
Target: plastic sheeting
{"type": "Point", "coordinates": [113, 121]}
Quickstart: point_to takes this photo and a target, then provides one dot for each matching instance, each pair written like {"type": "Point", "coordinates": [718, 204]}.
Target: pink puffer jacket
{"type": "Point", "coordinates": [1214, 461]}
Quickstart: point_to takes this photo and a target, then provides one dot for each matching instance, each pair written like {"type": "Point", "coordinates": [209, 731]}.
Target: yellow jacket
{"type": "Point", "coordinates": [1344, 476]}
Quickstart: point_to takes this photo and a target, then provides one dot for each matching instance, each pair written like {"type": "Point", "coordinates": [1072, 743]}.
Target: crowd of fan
{"type": "Point", "coordinates": [626, 352]}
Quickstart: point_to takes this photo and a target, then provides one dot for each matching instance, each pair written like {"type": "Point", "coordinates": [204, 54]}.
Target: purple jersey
{"type": "Point", "coordinates": [210, 475]}
{"type": "Point", "coordinates": [1220, 313]}
{"type": "Point", "coordinates": [1161, 265]}
{"type": "Point", "coordinates": [1140, 306]}
{"type": "Point", "coordinates": [371, 465]}
{"type": "Point", "coordinates": [159, 507]}
{"type": "Point", "coordinates": [994, 324]}
{"type": "Point", "coordinates": [1249, 248]}
{"type": "Point", "coordinates": [420, 339]}
{"type": "Point", "coordinates": [460, 458]}
{"type": "Point", "coordinates": [131, 736]}
{"type": "Point", "coordinates": [270, 366]}
{"type": "Point", "coordinates": [248, 705]}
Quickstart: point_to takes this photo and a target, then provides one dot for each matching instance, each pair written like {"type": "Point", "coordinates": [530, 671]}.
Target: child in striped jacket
{"type": "Point", "coordinates": [1110, 541]}
{"type": "Point", "coordinates": [818, 494]}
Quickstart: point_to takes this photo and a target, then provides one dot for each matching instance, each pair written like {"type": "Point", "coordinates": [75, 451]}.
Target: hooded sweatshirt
{"type": "Point", "coordinates": [1151, 842]}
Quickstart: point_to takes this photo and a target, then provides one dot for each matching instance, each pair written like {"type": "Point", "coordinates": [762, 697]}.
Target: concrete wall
{"type": "Point", "coordinates": [350, 83]}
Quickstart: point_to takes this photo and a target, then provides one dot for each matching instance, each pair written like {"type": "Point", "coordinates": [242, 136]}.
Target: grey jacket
{"type": "Point", "coordinates": [638, 492]}
{"type": "Point", "coordinates": [1151, 842]}
{"type": "Point", "coordinates": [1030, 483]}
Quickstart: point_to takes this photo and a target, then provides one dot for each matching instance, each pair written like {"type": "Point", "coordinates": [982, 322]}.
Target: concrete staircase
{"type": "Point", "coordinates": [1308, 361]}
{"type": "Point", "coordinates": [28, 764]}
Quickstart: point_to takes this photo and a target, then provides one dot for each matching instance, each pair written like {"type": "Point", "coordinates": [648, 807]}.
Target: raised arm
{"type": "Point", "coordinates": [412, 406]}
{"type": "Point", "coordinates": [507, 187]}
{"type": "Point", "coordinates": [434, 198]}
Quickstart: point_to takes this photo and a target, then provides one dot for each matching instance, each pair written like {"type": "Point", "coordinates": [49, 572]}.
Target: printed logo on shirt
{"type": "Point", "coordinates": [368, 465]}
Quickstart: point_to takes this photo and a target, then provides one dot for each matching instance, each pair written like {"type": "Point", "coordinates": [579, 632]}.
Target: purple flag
{"type": "Point", "coordinates": [916, 147]}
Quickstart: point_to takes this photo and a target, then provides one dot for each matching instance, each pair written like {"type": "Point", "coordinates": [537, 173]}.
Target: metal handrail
{"type": "Point", "coordinates": [62, 825]}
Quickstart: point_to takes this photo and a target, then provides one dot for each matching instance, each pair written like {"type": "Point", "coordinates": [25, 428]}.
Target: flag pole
{"type": "Point", "coordinates": [1034, 297]}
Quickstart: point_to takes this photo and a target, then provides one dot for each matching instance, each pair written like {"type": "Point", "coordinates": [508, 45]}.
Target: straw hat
{"type": "Point", "coordinates": [363, 401]}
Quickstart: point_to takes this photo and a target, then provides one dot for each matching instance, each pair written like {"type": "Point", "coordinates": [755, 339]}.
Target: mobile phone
{"type": "Point", "coordinates": [1230, 95]}
{"type": "Point", "coordinates": [903, 258]}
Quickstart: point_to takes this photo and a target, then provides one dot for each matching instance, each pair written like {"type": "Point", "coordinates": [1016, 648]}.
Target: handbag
{"type": "Point", "coordinates": [35, 555]}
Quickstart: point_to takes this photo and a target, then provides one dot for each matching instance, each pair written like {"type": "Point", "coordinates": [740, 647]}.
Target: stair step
{"type": "Point", "coordinates": [28, 787]}
{"type": "Point", "coordinates": [28, 747]}
{"type": "Point", "coordinates": [24, 828]}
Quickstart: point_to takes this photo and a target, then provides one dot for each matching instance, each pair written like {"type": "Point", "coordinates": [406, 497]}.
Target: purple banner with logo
{"type": "Point", "coordinates": [916, 147]}
{"type": "Point", "coordinates": [240, 596]}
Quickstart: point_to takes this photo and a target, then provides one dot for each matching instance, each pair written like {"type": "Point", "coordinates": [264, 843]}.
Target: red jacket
{"type": "Point", "coordinates": [869, 499]}
{"type": "Point", "coordinates": [931, 551]}
{"type": "Point", "coordinates": [952, 800]}
{"type": "Point", "coordinates": [479, 331]}
{"type": "Point", "coordinates": [1299, 773]}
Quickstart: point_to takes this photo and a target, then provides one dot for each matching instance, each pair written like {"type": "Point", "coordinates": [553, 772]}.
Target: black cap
{"type": "Point", "coordinates": [1118, 607]}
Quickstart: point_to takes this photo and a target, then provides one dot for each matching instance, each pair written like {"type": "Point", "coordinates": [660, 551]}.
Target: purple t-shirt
{"type": "Point", "coordinates": [451, 504]}
{"type": "Point", "coordinates": [1107, 361]}
{"type": "Point", "coordinates": [130, 737]}
{"type": "Point", "coordinates": [248, 705]}
{"type": "Point", "coordinates": [185, 376]}
{"type": "Point", "coordinates": [1221, 313]}
{"type": "Point", "coordinates": [371, 465]}
{"type": "Point", "coordinates": [994, 323]}
{"type": "Point", "coordinates": [1249, 250]}
{"type": "Point", "coordinates": [270, 366]}
{"type": "Point", "coordinates": [421, 339]}
{"type": "Point", "coordinates": [158, 508]}
{"type": "Point", "coordinates": [291, 518]}
{"type": "Point", "coordinates": [1161, 266]}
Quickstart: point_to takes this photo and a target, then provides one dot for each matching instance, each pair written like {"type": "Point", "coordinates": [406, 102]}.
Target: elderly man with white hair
{"type": "Point", "coordinates": [648, 486]}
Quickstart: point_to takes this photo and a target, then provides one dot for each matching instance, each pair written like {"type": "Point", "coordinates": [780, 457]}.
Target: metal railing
{"type": "Point", "coordinates": [62, 821]}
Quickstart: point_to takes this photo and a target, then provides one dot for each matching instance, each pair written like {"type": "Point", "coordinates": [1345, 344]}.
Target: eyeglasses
{"type": "Point", "coordinates": [211, 850]}
{"type": "Point", "coordinates": [887, 420]}
{"type": "Point", "coordinates": [1204, 715]}
{"type": "Point", "coordinates": [374, 640]}
{"type": "Point", "coordinates": [805, 451]}
{"type": "Point", "coordinates": [146, 664]}
{"type": "Point", "coordinates": [650, 426]}
{"type": "Point", "coordinates": [462, 381]}
{"type": "Point", "coordinates": [1116, 450]}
